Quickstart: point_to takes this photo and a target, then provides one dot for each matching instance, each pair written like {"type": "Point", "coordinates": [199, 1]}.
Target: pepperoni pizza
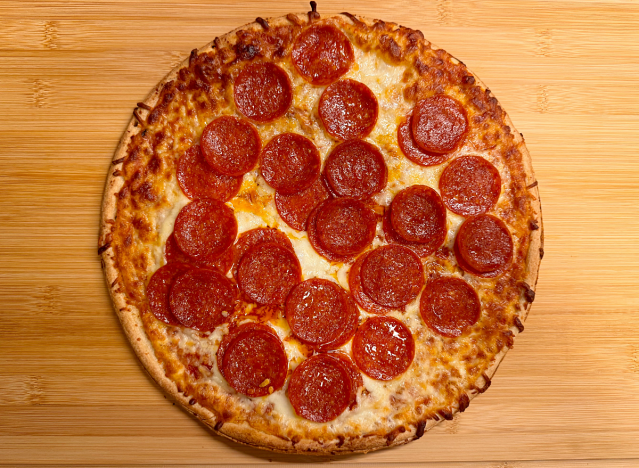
{"type": "Point", "coordinates": [321, 234]}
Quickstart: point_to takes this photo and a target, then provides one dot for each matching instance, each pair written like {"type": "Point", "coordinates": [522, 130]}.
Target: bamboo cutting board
{"type": "Point", "coordinates": [72, 391]}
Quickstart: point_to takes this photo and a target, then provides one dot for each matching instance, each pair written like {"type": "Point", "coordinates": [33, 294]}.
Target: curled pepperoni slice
{"type": "Point", "coordinates": [253, 360]}
{"type": "Point", "coordinates": [355, 285]}
{"type": "Point", "coordinates": [348, 109]}
{"type": "Point", "coordinates": [320, 314]}
{"type": "Point", "coordinates": [262, 92]}
{"type": "Point", "coordinates": [321, 54]}
{"type": "Point", "coordinates": [320, 388]}
{"type": "Point", "coordinates": [172, 253]}
{"type": "Point", "coordinates": [484, 246]}
{"type": "Point", "coordinates": [204, 229]}
{"type": "Point", "coordinates": [344, 226]}
{"type": "Point", "coordinates": [249, 239]}
{"type": "Point", "coordinates": [202, 299]}
{"type": "Point", "coordinates": [290, 163]}
{"type": "Point", "coordinates": [157, 291]}
{"type": "Point", "coordinates": [268, 272]}
{"type": "Point", "coordinates": [383, 348]}
{"type": "Point", "coordinates": [356, 169]}
{"type": "Point", "coordinates": [470, 186]}
{"type": "Point", "coordinates": [199, 180]}
{"type": "Point", "coordinates": [439, 124]}
{"type": "Point", "coordinates": [231, 146]}
{"type": "Point", "coordinates": [418, 215]}
{"type": "Point", "coordinates": [295, 209]}
{"type": "Point", "coordinates": [392, 276]}
{"type": "Point", "coordinates": [422, 250]}
{"type": "Point", "coordinates": [412, 151]}
{"type": "Point", "coordinates": [449, 306]}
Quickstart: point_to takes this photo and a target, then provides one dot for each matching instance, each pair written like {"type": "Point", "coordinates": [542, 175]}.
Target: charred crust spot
{"type": "Point", "coordinates": [294, 19]}
{"type": "Point", "coordinates": [218, 425]}
{"type": "Point", "coordinates": [464, 401]}
{"type": "Point", "coordinates": [192, 401]}
{"type": "Point", "coordinates": [521, 135]}
{"type": "Point", "coordinates": [446, 414]}
{"type": "Point", "coordinates": [421, 428]}
{"type": "Point", "coordinates": [352, 18]}
{"type": "Point", "coordinates": [541, 253]}
{"type": "Point", "coordinates": [103, 248]}
{"type": "Point", "coordinates": [117, 173]}
{"type": "Point", "coordinates": [192, 57]}
{"type": "Point", "coordinates": [533, 225]}
{"type": "Point", "coordinates": [313, 6]}
{"type": "Point", "coordinates": [118, 161]}
{"type": "Point", "coordinates": [534, 184]}
{"type": "Point", "coordinates": [143, 106]}
{"type": "Point", "coordinates": [313, 14]}
{"type": "Point", "coordinates": [216, 42]}
{"type": "Point", "coordinates": [468, 80]}
{"type": "Point", "coordinates": [340, 440]}
{"type": "Point", "coordinates": [262, 22]}
{"type": "Point", "coordinates": [114, 283]}
{"type": "Point", "coordinates": [296, 440]}
{"type": "Point", "coordinates": [519, 325]}
{"type": "Point", "coordinates": [246, 51]}
{"type": "Point", "coordinates": [391, 436]}
{"type": "Point", "coordinates": [529, 293]}
{"type": "Point", "coordinates": [136, 114]}
{"type": "Point", "coordinates": [487, 383]}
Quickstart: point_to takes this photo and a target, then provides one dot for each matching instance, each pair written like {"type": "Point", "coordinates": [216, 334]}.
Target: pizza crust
{"type": "Point", "coordinates": [243, 433]}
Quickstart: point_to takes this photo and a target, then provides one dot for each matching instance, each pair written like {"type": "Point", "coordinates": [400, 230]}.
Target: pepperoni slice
{"type": "Point", "coordinates": [199, 180]}
{"type": "Point", "coordinates": [321, 54]}
{"type": "Point", "coordinates": [204, 229]}
{"type": "Point", "coordinates": [484, 246]}
{"type": "Point", "coordinates": [249, 239]}
{"type": "Point", "coordinates": [348, 109]}
{"type": "Point", "coordinates": [412, 151]}
{"type": "Point", "coordinates": [295, 209]}
{"type": "Point", "coordinates": [355, 374]}
{"type": "Point", "coordinates": [172, 253]}
{"type": "Point", "coordinates": [439, 124]}
{"type": "Point", "coordinates": [355, 285]}
{"type": "Point", "coordinates": [449, 306]}
{"type": "Point", "coordinates": [290, 163]}
{"type": "Point", "coordinates": [262, 92]}
{"type": "Point", "coordinates": [392, 276]}
{"type": "Point", "coordinates": [470, 186]}
{"type": "Point", "coordinates": [202, 299]}
{"type": "Point", "coordinates": [418, 214]}
{"type": "Point", "coordinates": [320, 314]}
{"type": "Point", "coordinates": [344, 226]}
{"type": "Point", "coordinates": [268, 272]}
{"type": "Point", "coordinates": [320, 388]}
{"type": "Point", "coordinates": [253, 360]}
{"type": "Point", "coordinates": [356, 169]}
{"type": "Point", "coordinates": [383, 348]}
{"type": "Point", "coordinates": [422, 250]}
{"type": "Point", "coordinates": [157, 291]}
{"type": "Point", "coordinates": [231, 146]}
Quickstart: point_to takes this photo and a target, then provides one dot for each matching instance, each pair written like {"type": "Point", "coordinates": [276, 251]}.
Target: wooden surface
{"type": "Point", "coordinates": [72, 391]}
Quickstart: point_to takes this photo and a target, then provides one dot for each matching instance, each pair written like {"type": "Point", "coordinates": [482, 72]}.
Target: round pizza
{"type": "Point", "coordinates": [321, 234]}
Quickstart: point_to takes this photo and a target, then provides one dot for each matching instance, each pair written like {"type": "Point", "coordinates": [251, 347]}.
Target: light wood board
{"type": "Point", "coordinates": [72, 391]}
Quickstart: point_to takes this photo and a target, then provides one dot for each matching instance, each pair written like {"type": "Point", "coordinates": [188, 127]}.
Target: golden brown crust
{"type": "Point", "coordinates": [395, 45]}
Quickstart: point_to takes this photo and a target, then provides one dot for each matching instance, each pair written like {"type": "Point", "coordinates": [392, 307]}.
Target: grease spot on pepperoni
{"type": "Point", "coordinates": [320, 314]}
{"type": "Point", "coordinates": [412, 151]}
{"type": "Point", "coordinates": [172, 253]}
{"type": "Point", "coordinates": [296, 208]}
{"type": "Point", "coordinates": [348, 109]}
{"type": "Point", "coordinates": [157, 291]}
{"type": "Point", "coordinates": [439, 124]}
{"type": "Point", "coordinates": [254, 361]}
{"type": "Point", "coordinates": [449, 306]}
{"type": "Point", "coordinates": [290, 163]}
{"type": "Point", "coordinates": [268, 272]}
{"type": "Point", "coordinates": [355, 285]}
{"type": "Point", "coordinates": [321, 54]}
{"type": "Point", "coordinates": [345, 226]}
{"type": "Point", "coordinates": [320, 388]}
{"type": "Point", "coordinates": [418, 214]}
{"type": "Point", "coordinates": [383, 348]}
{"type": "Point", "coordinates": [199, 180]}
{"type": "Point", "coordinates": [484, 246]}
{"type": "Point", "coordinates": [204, 229]}
{"type": "Point", "coordinates": [250, 239]}
{"type": "Point", "coordinates": [203, 298]}
{"type": "Point", "coordinates": [356, 169]}
{"type": "Point", "coordinates": [470, 186]}
{"type": "Point", "coordinates": [262, 92]}
{"type": "Point", "coordinates": [231, 146]}
{"type": "Point", "coordinates": [392, 276]}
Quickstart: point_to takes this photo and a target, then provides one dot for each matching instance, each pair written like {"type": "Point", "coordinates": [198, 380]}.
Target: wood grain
{"type": "Point", "coordinates": [71, 390]}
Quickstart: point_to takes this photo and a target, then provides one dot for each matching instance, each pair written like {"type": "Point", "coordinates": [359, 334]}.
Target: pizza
{"type": "Point", "coordinates": [321, 234]}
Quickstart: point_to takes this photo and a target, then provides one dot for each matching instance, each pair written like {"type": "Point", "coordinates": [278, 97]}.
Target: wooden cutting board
{"type": "Point", "coordinates": [72, 391]}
